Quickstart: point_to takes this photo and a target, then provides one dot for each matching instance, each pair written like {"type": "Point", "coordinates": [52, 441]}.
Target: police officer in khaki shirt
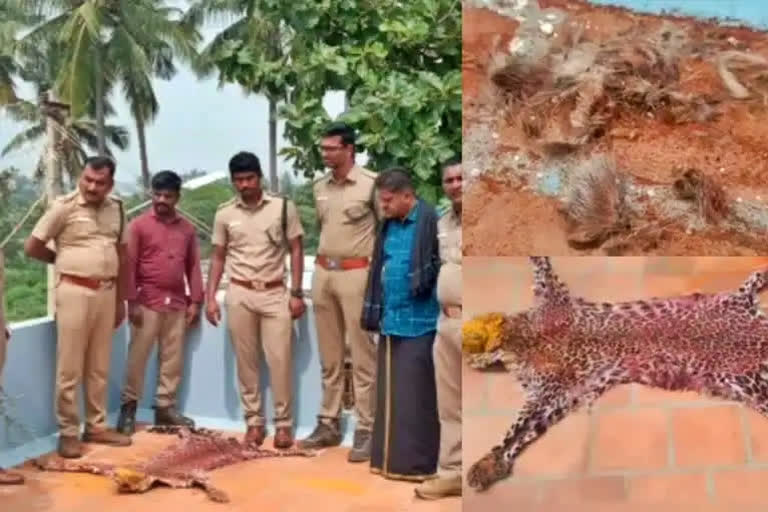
{"type": "Point", "coordinates": [87, 228]}
{"type": "Point", "coordinates": [6, 477]}
{"type": "Point", "coordinates": [347, 216]}
{"type": "Point", "coordinates": [447, 348]}
{"type": "Point", "coordinates": [250, 238]}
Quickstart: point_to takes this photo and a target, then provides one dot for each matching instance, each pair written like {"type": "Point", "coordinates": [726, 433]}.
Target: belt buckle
{"type": "Point", "coordinates": [258, 285]}
{"type": "Point", "coordinates": [333, 263]}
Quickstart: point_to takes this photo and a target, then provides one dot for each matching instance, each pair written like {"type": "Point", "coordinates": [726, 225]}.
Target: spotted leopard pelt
{"type": "Point", "coordinates": [566, 352]}
{"type": "Point", "coordinates": [184, 464]}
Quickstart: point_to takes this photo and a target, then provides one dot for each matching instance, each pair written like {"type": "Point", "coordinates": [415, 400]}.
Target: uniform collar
{"type": "Point", "coordinates": [352, 175]}
{"type": "Point", "coordinates": [82, 202]}
{"type": "Point", "coordinates": [242, 204]}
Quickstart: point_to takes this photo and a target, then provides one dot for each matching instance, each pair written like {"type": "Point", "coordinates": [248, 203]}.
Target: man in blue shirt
{"type": "Point", "coordinates": [401, 304]}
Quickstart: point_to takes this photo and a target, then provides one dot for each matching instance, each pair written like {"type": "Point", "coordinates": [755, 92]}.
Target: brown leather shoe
{"type": "Point", "coordinates": [283, 438]}
{"type": "Point", "coordinates": [10, 478]}
{"type": "Point", "coordinates": [255, 435]}
{"type": "Point", "coordinates": [109, 437]}
{"type": "Point", "coordinates": [70, 447]}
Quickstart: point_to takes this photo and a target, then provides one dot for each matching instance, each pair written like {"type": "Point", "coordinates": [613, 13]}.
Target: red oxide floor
{"type": "Point", "coordinates": [327, 482]}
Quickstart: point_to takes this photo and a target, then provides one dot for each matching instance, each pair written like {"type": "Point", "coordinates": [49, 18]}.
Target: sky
{"type": "Point", "coordinates": [199, 126]}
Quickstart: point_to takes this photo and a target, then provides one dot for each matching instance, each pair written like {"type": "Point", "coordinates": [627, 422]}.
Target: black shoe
{"type": "Point", "coordinates": [170, 416]}
{"type": "Point", "coordinates": [324, 436]}
{"type": "Point", "coordinates": [126, 423]}
{"type": "Point", "coordinates": [361, 447]}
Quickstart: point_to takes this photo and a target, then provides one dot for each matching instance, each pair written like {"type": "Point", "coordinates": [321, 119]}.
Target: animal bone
{"type": "Point", "coordinates": [567, 352]}
{"type": "Point", "coordinates": [182, 465]}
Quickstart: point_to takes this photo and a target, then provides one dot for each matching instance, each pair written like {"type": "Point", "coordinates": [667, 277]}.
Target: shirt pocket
{"type": "Point", "coordinates": [321, 208]}
{"type": "Point", "coordinates": [355, 211]}
{"type": "Point", "coordinates": [275, 234]}
{"type": "Point", "coordinates": [237, 234]}
{"type": "Point", "coordinates": [176, 246]}
{"type": "Point", "coordinates": [81, 228]}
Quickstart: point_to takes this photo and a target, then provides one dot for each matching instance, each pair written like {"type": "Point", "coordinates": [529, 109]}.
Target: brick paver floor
{"type": "Point", "coordinates": [639, 449]}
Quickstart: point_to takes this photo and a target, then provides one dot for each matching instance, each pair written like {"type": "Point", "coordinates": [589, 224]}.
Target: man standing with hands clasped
{"type": "Point", "coordinates": [251, 235]}
{"type": "Point", "coordinates": [162, 250]}
{"type": "Point", "coordinates": [87, 227]}
{"type": "Point", "coordinates": [447, 349]}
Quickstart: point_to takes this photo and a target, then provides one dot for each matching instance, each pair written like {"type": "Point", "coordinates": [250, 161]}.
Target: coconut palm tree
{"type": "Point", "coordinates": [265, 37]}
{"type": "Point", "coordinates": [65, 137]}
{"type": "Point", "coordinates": [12, 19]}
{"type": "Point", "coordinates": [106, 42]}
{"type": "Point", "coordinates": [66, 140]}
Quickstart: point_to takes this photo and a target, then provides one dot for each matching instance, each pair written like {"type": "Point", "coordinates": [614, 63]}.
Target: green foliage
{"type": "Point", "coordinates": [398, 62]}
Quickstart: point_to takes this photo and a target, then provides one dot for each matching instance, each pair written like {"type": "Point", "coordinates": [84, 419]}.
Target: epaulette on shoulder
{"type": "Point", "coordinates": [367, 172]}
{"type": "Point", "coordinates": [321, 178]}
{"type": "Point", "coordinates": [67, 197]}
{"type": "Point", "coordinates": [226, 203]}
{"type": "Point", "coordinates": [116, 199]}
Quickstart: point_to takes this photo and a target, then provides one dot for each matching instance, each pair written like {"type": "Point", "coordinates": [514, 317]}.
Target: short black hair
{"type": "Point", "coordinates": [341, 129]}
{"type": "Point", "coordinates": [395, 179]}
{"type": "Point", "coordinates": [245, 161]}
{"type": "Point", "coordinates": [166, 180]}
{"type": "Point", "coordinates": [454, 160]}
{"type": "Point", "coordinates": [97, 163]}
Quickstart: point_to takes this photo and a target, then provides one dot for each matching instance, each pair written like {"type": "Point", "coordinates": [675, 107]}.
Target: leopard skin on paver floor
{"type": "Point", "coordinates": [567, 352]}
{"type": "Point", "coordinates": [184, 464]}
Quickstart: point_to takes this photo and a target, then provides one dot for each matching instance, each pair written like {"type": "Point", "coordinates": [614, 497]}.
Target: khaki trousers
{"type": "Point", "coordinates": [85, 322]}
{"type": "Point", "coordinates": [337, 301]}
{"type": "Point", "coordinates": [260, 320]}
{"type": "Point", "coordinates": [447, 356]}
{"type": "Point", "coordinates": [167, 328]}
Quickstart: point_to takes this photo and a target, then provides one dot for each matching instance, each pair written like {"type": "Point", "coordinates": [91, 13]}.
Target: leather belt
{"type": "Point", "coordinates": [341, 263]}
{"type": "Point", "coordinates": [256, 285]}
{"type": "Point", "coordinates": [452, 311]}
{"type": "Point", "coordinates": [88, 282]}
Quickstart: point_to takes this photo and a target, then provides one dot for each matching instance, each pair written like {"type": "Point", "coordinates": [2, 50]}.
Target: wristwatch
{"type": "Point", "coordinates": [299, 294]}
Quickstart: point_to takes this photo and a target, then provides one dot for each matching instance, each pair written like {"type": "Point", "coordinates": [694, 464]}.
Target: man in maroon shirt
{"type": "Point", "coordinates": [162, 251]}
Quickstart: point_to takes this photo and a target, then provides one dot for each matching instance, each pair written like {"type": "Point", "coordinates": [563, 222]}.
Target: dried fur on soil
{"type": "Point", "coordinates": [709, 197]}
{"type": "Point", "coordinates": [595, 208]}
{"type": "Point", "coordinates": [569, 97]}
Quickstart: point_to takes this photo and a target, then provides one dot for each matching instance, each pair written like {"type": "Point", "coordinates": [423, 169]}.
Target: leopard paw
{"type": "Point", "coordinates": [491, 468]}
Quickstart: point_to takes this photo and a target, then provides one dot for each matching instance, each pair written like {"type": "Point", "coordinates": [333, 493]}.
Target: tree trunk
{"type": "Point", "coordinates": [99, 98]}
{"type": "Point", "coordinates": [142, 135]}
{"type": "Point", "coordinates": [274, 184]}
{"type": "Point", "coordinates": [53, 182]}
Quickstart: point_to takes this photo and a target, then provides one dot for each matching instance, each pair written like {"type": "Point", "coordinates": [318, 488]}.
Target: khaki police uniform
{"type": "Point", "coordinates": [3, 337]}
{"type": "Point", "coordinates": [447, 348]}
{"type": "Point", "coordinates": [347, 233]}
{"type": "Point", "coordinates": [257, 299]}
{"type": "Point", "coordinates": [87, 268]}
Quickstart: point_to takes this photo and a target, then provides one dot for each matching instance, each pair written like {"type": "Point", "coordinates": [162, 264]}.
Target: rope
{"type": "Point", "coordinates": [199, 224]}
{"type": "Point", "coordinates": [21, 222]}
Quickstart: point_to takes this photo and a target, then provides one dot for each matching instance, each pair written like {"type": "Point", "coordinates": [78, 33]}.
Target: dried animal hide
{"type": "Point", "coordinates": [710, 198]}
{"type": "Point", "coordinates": [595, 208]}
{"type": "Point", "coordinates": [567, 352]}
{"type": "Point", "coordinates": [182, 465]}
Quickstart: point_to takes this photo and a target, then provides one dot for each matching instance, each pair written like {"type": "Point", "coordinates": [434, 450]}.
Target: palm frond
{"type": "Point", "coordinates": [28, 136]}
